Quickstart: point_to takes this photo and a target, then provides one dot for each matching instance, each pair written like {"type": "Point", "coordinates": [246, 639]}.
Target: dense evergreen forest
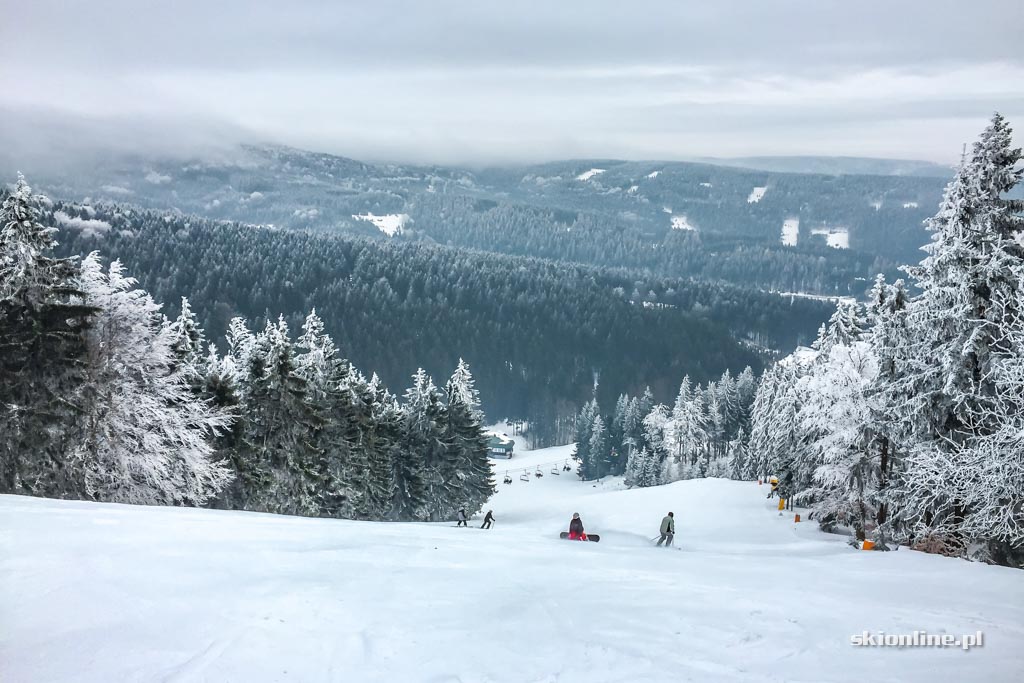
{"type": "Point", "coordinates": [104, 398]}
{"type": "Point", "coordinates": [674, 219]}
{"type": "Point", "coordinates": [538, 333]}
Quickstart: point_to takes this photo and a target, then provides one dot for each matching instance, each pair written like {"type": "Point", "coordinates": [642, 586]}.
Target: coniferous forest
{"type": "Point", "coordinates": [536, 332]}
{"type": "Point", "coordinates": [904, 420]}
{"type": "Point", "coordinates": [106, 399]}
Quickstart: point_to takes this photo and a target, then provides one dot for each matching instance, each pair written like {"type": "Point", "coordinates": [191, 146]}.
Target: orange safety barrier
{"type": "Point", "coordinates": [796, 518]}
{"type": "Point", "coordinates": [868, 545]}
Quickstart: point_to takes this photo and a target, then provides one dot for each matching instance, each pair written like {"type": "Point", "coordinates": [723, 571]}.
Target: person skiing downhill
{"type": "Point", "coordinates": [576, 532]}
{"type": "Point", "coordinates": [668, 529]}
{"type": "Point", "coordinates": [462, 518]}
{"type": "Point", "coordinates": [488, 520]}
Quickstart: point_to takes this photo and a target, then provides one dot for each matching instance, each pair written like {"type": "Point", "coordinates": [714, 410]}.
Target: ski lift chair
{"type": "Point", "coordinates": [525, 476]}
{"type": "Point", "coordinates": [538, 473]}
{"type": "Point", "coordinates": [508, 479]}
{"type": "Point", "coordinates": [566, 468]}
{"type": "Point", "coordinates": [554, 470]}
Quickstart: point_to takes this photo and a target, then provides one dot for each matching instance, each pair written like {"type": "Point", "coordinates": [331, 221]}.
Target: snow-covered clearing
{"type": "Point", "coordinates": [93, 592]}
{"type": "Point", "coordinates": [653, 174]}
{"type": "Point", "coordinates": [680, 223]}
{"type": "Point", "coordinates": [706, 185]}
{"type": "Point", "coordinates": [791, 232]}
{"type": "Point", "coordinates": [837, 238]}
{"type": "Point", "coordinates": [632, 189]}
{"type": "Point", "coordinates": [587, 175]}
{"type": "Point", "coordinates": [390, 224]}
{"type": "Point", "coordinates": [756, 195]}
{"type": "Point", "coordinates": [910, 205]}
{"type": "Point", "coordinates": [820, 297]}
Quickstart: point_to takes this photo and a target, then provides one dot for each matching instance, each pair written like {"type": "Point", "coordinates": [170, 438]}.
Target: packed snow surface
{"type": "Point", "coordinates": [390, 224]}
{"type": "Point", "coordinates": [680, 223]}
{"type": "Point", "coordinates": [837, 238]}
{"type": "Point", "coordinates": [94, 592]}
{"type": "Point", "coordinates": [756, 195]}
{"type": "Point", "coordinates": [790, 232]}
{"type": "Point", "coordinates": [590, 174]}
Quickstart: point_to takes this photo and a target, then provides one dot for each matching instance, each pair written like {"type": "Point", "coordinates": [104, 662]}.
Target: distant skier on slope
{"type": "Point", "coordinates": [576, 532]}
{"type": "Point", "coordinates": [668, 529]}
{"type": "Point", "coordinates": [775, 486]}
{"type": "Point", "coordinates": [488, 520]}
{"type": "Point", "coordinates": [462, 518]}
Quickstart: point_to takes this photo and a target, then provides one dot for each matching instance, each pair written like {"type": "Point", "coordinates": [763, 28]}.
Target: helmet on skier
{"type": "Point", "coordinates": [671, 514]}
{"type": "Point", "coordinates": [575, 515]}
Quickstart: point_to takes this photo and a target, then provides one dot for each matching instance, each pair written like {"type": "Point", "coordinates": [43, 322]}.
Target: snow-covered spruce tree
{"type": "Point", "coordinates": [380, 429]}
{"type": "Point", "coordinates": [43, 319]}
{"type": "Point", "coordinates": [887, 313]}
{"type": "Point", "coordinates": [960, 332]}
{"type": "Point", "coordinates": [678, 437]}
{"type": "Point", "coordinates": [146, 437]}
{"type": "Point", "coordinates": [632, 435]}
{"type": "Point", "coordinates": [835, 409]}
{"type": "Point", "coordinates": [278, 459]}
{"type": "Point", "coordinates": [584, 427]}
{"type": "Point", "coordinates": [188, 347]}
{"type": "Point", "coordinates": [422, 460]}
{"type": "Point", "coordinates": [465, 435]}
{"type": "Point", "coordinates": [594, 466]}
{"type": "Point", "coordinates": [784, 437]}
{"type": "Point", "coordinates": [330, 401]}
{"type": "Point", "coordinates": [649, 469]}
{"type": "Point", "coordinates": [761, 422]}
{"type": "Point", "coordinates": [746, 387]}
{"type": "Point", "coordinates": [616, 428]}
{"type": "Point", "coordinates": [716, 429]}
{"type": "Point", "coordinates": [738, 456]}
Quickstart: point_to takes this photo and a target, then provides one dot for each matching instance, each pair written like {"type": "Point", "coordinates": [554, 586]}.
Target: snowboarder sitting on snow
{"type": "Point", "coordinates": [488, 520]}
{"type": "Point", "coordinates": [462, 518]}
{"type": "Point", "coordinates": [668, 529]}
{"type": "Point", "coordinates": [775, 486]}
{"type": "Point", "coordinates": [576, 532]}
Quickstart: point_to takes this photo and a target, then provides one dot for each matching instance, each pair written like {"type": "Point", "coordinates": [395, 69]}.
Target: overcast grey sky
{"type": "Point", "coordinates": [480, 81]}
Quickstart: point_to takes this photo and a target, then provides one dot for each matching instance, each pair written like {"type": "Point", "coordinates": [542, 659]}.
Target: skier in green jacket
{"type": "Point", "coordinates": [668, 529]}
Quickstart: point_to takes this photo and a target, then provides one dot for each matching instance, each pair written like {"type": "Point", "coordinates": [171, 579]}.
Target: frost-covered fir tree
{"type": "Point", "coordinates": [330, 402]}
{"type": "Point", "coordinates": [146, 437]}
{"type": "Point", "coordinates": [761, 421]}
{"type": "Point", "coordinates": [422, 463]}
{"type": "Point", "coordinates": [43, 354]}
{"type": "Point", "coordinates": [960, 328]}
{"type": "Point", "coordinates": [380, 426]}
{"type": "Point", "coordinates": [594, 466]}
{"type": "Point", "coordinates": [842, 471]}
{"type": "Point", "coordinates": [188, 344]}
{"type": "Point", "coordinates": [465, 435]}
{"type": "Point", "coordinates": [738, 456]}
{"type": "Point", "coordinates": [278, 460]}
{"type": "Point", "coordinates": [887, 312]}
{"type": "Point", "coordinates": [583, 430]}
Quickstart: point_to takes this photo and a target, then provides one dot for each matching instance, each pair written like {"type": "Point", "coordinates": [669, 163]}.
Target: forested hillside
{"type": "Point", "coordinates": [538, 333]}
{"type": "Point", "coordinates": [817, 233]}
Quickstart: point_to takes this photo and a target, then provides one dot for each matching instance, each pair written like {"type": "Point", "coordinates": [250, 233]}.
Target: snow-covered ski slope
{"type": "Point", "coordinates": [106, 593]}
